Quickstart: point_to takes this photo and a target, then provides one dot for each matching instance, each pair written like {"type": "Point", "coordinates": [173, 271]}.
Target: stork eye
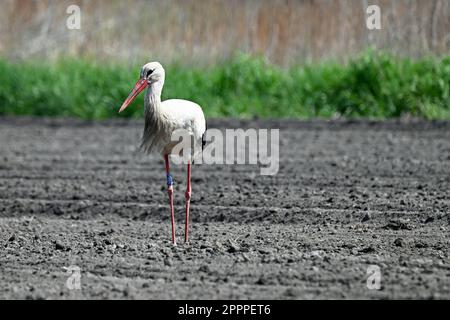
{"type": "Point", "coordinates": [149, 72]}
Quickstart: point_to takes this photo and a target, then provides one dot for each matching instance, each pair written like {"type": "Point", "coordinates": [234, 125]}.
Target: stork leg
{"type": "Point", "coordinates": [170, 192]}
{"type": "Point", "coordinates": [188, 202]}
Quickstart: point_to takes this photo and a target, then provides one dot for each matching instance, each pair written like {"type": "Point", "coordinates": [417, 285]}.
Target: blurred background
{"type": "Point", "coordinates": [285, 32]}
{"type": "Point", "coordinates": [248, 58]}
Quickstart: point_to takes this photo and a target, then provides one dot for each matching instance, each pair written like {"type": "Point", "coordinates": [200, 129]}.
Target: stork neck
{"type": "Point", "coordinates": [153, 98]}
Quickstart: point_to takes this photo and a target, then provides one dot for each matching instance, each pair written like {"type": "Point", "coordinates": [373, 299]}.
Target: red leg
{"type": "Point", "coordinates": [188, 201]}
{"type": "Point", "coordinates": [170, 192]}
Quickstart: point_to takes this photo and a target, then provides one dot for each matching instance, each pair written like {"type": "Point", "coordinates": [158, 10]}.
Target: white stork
{"type": "Point", "coordinates": [161, 119]}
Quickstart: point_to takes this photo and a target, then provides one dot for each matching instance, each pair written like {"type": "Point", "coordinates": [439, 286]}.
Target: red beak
{"type": "Point", "coordinates": [138, 87]}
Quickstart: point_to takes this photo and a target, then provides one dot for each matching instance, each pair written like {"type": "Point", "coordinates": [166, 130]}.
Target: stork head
{"type": "Point", "coordinates": [151, 73]}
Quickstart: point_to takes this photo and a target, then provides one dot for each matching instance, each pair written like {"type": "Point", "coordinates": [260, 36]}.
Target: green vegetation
{"type": "Point", "coordinates": [374, 85]}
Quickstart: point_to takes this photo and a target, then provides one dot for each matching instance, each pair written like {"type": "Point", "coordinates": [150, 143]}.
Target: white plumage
{"type": "Point", "coordinates": [174, 114]}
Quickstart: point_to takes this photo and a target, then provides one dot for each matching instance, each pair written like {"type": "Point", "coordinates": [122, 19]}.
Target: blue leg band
{"type": "Point", "coordinates": [169, 180]}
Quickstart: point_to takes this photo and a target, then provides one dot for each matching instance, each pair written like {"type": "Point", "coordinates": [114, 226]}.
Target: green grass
{"type": "Point", "coordinates": [375, 85]}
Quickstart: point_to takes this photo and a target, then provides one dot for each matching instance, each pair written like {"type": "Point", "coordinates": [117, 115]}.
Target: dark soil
{"type": "Point", "coordinates": [349, 194]}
